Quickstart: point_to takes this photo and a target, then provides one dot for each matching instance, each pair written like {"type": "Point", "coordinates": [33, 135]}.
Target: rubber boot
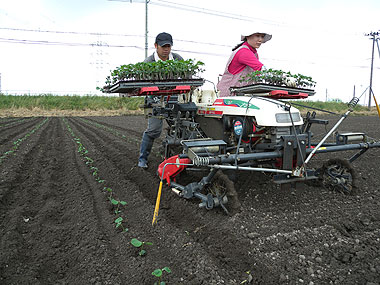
{"type": "Point", "coordinates": [145, 149]}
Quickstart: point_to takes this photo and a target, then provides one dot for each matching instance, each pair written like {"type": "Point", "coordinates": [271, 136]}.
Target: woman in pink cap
{"type": "Point", "coordinates": [242, 61]}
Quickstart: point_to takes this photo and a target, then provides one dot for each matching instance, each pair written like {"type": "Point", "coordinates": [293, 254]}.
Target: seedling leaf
{"type": "Point", "coordinates": [157, 273]}
{"type": "Point", "coordinates": [118, 220]}
{"type": "Point", "coordinates": [136, 243]}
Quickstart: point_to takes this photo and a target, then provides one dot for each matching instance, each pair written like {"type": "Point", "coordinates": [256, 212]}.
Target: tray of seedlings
{"type": "Point", "coordinates": [276, 83]}
{"type": "Point", "coordinates": [140, 78]}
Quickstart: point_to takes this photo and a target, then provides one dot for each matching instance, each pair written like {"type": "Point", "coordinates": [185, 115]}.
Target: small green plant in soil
{"type": "Point", "coordinates": [119, 224]}
{"type": "Point", "coordinates": [117, 203]}
{"type": "Point", "coordinates": [158, 273]}
{"type": "Point", "coordinates": [140, 244]}
{"type": "Point", "coordinates": [110, 192]}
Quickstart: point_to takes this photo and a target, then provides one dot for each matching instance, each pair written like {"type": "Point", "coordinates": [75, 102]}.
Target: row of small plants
{"type": "Point", "coordinates": [160, 70]}
{"type": "Point", "coordinates": [18, 142]}
{"type": "Point", "coordinates": [116, 203]}
{"type": "Point", "coordinates": [83, 152]}
{"type": "Point", "coordinates": [14, 121]}
{"type": "Point", "coordinates": [142, 245]}
{"type": "Point", "coordinates": [278, 77]}
{"type": "Point", "coordinates": [118, 134]}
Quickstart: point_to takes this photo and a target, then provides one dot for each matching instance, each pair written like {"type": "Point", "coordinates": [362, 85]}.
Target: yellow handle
{"type": "Point", "coordinates": [155, 215]}
{"type": "Point", "coordinates": [377, 106]}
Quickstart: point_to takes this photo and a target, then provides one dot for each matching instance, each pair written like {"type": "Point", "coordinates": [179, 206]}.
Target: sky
{"type": "Point", "coordinates": [69, 47]}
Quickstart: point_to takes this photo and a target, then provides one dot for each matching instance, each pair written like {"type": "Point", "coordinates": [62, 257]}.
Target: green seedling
{"type": "Point", "coordinates": [94, 170]}
{"type": "Point", "coordinates": [119, 224]}
{"type": "Point", "coordinates": [158, 273]}
{"type": "Point", "coordinates": [81, 149]}
{"type": "Point", "coordinates": [117, 203]}
{"type": "Point", "coordinates": [89, 160]}
{"type": "Point", "coordinates": [109, 190]}
{"type": "Point", "coordinates": [100, 180]}
{"type": "Point", "coordinates": [140, 244]}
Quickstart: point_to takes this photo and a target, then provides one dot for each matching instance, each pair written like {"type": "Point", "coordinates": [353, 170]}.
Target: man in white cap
{"type": "Point", "coordinates": [163, 45]}
{"type": "Point", "coordinates": [242, 61]}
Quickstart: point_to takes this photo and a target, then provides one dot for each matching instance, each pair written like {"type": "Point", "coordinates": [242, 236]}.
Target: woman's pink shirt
{"type": "Point", "coordinates": [243, 58]}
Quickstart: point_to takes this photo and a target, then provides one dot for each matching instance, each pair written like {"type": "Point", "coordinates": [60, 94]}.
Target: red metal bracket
{"type": "Point", "coordinates": [154, 90]}
{"type": "Point", "coordinates": [282, 94]}
{"type": "Point", "coordinates": [172, 170]}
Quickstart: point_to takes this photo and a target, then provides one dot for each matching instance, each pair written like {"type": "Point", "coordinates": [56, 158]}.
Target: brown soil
{"type": "Point", "coordinates": [37, 112]}
{"type": "Point", "coordinates": [57, 224]}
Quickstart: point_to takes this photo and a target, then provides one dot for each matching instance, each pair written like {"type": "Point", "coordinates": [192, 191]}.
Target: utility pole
{"type": "Point", "coordinates": [374, 39]}
{"type": "Point", "coordinates": [146, 20]}
{"type": "Point", "coordinates": [146, 28]}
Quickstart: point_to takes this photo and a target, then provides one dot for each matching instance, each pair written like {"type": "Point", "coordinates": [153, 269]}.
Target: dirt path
{"type": "Point", "coordinates": [57, 223]}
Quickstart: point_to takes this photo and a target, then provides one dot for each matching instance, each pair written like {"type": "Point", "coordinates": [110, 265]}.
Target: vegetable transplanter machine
{"type": "Point", "coordinates": [257, 129]}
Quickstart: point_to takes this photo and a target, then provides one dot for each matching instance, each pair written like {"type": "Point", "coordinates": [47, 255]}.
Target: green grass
{"type": "Point", "coordinates": [78, 103]}
{"type": "Point", "coordinates": [332, 106]}
{"type": "Point", "coordinates": [51, 102]}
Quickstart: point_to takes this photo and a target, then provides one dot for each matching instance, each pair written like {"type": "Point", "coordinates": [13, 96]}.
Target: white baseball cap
{"type": "Point", "coordinates": [267, 37]}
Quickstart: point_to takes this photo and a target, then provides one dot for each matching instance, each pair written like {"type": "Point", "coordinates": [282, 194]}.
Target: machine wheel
{"type": "Point", "coordinates": [338, 175]}
{"type": "Point", "coordinates": [222, 187]}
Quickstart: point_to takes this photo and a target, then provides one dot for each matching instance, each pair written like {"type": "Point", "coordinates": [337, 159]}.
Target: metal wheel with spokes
{"type": "Point", "coordinates": [223, 189]}
{"type": "Point", "coordinates": [338, 175]}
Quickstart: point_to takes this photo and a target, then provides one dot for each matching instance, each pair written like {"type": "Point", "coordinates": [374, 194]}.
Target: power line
{"type": "Point", "coordinates": [22, 41]}
{"type": "Point", "coordinates": [212, 12]}
{"type": "Point", "coordinates": [200, 52]}
{"type": "Point", "coordinates": [54, 43]}
{"type": "Point", "coordinates": [232, 16]}
{"type": "Point", "coordinates": [77, 44]}
{"type": "Point", "coordinates": [206, 11]}
{"type": "Point", "coordinates": [188, 8]}
{"type": "Point", "coordinates": [69, 32]}
{"type": "Point", "coordinates": [102, 34]}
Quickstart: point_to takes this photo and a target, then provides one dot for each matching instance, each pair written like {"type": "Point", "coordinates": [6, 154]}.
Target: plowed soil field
{"type": "Point", "coordinates": [57, 224]}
